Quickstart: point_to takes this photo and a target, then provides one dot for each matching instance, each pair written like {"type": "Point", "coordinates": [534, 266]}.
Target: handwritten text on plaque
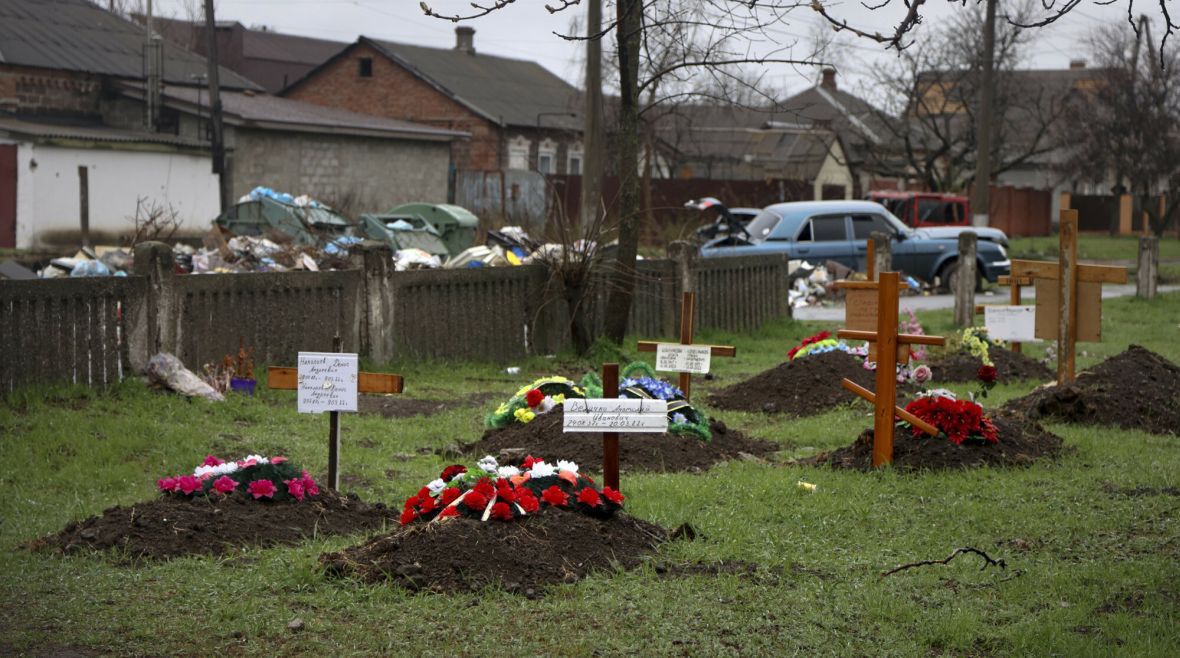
{"type": "Point", "coordinates": [599, 415]}
{"type": "Point", "coordinates": [671, 357]}
{"type": "Point", "coordinates": [327, 382]}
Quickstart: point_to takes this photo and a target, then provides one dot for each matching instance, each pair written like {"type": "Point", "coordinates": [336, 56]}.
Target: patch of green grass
{"type": "Point", "coordinates": [1090, 567]}
{"type": "Point", "coordinates": [1090, 247]}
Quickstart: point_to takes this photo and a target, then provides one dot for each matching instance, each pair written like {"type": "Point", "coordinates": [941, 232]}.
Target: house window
{"type": "Point", "coordinates": [518, 153]}
{"type": "Point", "coordinates": [365, 67]}
{"type": "Point", "coordinates": [547, 157]}
{"type": "Point", "coordinates": [574, 156]}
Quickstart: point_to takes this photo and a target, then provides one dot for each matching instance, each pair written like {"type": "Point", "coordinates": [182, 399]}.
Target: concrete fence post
{"type": "Point", "coordinates": [375, 303]}
{"type": "Point", "coordinates": [1149, 261]}
{"type": "Point", "coordinates": [882, 253]}
{"type": "Point", "coordinates": [152, 327]}
{"type": "Point", "coordinates": [963, 282]}
{"type": "Point", "coordinates": [683, 255]}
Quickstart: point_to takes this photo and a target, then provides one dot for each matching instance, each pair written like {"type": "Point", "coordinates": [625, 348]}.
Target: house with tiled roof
{"type": "Point", "coordinates": [520, 115]}
{"type": "Point", "coordinates": [74, 97]}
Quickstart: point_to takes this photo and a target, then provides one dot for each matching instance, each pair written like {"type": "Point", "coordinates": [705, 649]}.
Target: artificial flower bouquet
{"type": "Point", "coordinates": [539, 397]}
{"type": "Point", "coordinates": [505, 493]}
{"type": "Point", "coordinates": [818, 344]}
{"type": "Point", "coordinates": [639, 381]}
{"type": "Point", "coordinates": [960, 421]}
{"type": "Point", "coordinates": [257, 477]}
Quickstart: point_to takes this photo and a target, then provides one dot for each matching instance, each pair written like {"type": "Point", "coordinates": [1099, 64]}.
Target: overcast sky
{"type": "Point", "coordinates": [525, 30]}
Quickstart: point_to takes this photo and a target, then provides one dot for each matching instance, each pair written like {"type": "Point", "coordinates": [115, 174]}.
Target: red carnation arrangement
{"type": "Point", "coordinates": [823, 335]}
{"type": "Point", "coordinates": [534, 397]}
{"type": "Point", "coordinates": [959, 420]}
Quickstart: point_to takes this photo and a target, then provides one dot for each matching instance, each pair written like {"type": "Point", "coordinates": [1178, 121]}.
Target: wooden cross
{"type": "Point", "coordinates": [890, 347]}
{"type": "Point", "coordinates": [687, 315]}
{"type": "Point", "coordinates": [1069, 296]}
{"type": "Point", "coordinates": [282, 378]}
{"type": "Point", "coordinates": [610, 440]}
{"type": "Point", "coordinates": [1017, 282]}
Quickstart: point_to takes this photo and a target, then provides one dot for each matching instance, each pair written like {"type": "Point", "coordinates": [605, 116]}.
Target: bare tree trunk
{"type": "Point", "coordinates": [594, 153]}
{"type": "Point", "coordinates": [629, 28]}
{"type": "Point", "coordinates": [980, 199]}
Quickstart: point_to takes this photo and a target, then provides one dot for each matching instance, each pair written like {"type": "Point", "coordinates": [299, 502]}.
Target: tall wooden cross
{"type": "Point", "coordinates": [890, 348]}
{"type": "Point", "coordinates": [283, 378]}
{"type": "Point", "coordinates": [1069, 296]}
{"type": "Point", "coordinates": [687, 315]}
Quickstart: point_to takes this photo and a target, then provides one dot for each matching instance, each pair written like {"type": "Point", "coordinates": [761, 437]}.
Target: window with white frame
{"type": "Point", "coordinates": [547, 157]}
{"type": "Point", "coordinates": [574, 158]}
{"type": "Point", "coordinates": [518, 153]}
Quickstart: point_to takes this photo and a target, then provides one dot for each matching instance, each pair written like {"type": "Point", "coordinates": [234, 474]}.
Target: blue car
{"type": "Point", "coordinates": [819, 231]}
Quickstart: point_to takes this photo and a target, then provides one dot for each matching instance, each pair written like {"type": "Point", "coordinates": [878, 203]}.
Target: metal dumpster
{"type": "Point", "coordinates": [399, 233]}
{"type": "Point", "coordinates": [454, 224]}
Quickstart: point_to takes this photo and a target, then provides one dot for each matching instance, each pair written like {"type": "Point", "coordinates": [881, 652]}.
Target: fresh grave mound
{"type": "Point", "coordinates": [637, 452]}
{"type": "Point", "coordinates": [801, 387]}
{"type": "Point", "coordinates": [1137, 389]}
{"type": "Point", "coordinates": [1010, 366]}
{"type": "Point", "coordinates": [1020, 442]}
{"type": "Point", "coordinates": [520, 528]}
{"type": "Point", "coordinates": [397, 406]}
{"type": "Point", "coordinates": [257, 501]}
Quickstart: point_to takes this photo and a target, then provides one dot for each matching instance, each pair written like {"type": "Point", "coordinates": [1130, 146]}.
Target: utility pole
{"type": "Point", "coordinates": [593, 156]}
{"type": "Point", "coordinates": [983, 121]}
{"type": "Point", "coordinates": [219, 168]}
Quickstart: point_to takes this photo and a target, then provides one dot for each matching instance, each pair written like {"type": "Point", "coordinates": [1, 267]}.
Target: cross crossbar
{"type": "Point", "coordinates": [715, 350]}
{"type": "Point", "coordinates": [1036, 269]}
{"type": "Point", "coordinates": [910, 339]}
{"type": "Point", "coordinates": [901, 413]}
{"type": "Point", "coordinates": [287, 379]}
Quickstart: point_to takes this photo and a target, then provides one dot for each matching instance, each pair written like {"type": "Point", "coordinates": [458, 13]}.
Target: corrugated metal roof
{"type": "Point", "coordinates": [505, 90]}
{"type": "Point", "coordinates": [90, 132]}
{"type": "Point", "coordinates": [75, 35]}
{"type": "Point", "coordinates": [262, 44]}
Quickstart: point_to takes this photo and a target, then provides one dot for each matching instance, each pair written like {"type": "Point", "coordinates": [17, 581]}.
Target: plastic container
{"type": "Point", "coordinates": [242, 385]}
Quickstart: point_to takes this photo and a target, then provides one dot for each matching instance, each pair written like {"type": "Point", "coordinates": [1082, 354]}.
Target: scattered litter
{"type": "Point", "coordinates": [166, 370]}
{"type": "Point", "coordinates": [512, 370]}
{"type": "Point", "coordinates": [415, 259]}
{"type": "Point", "coordinates": [90, 268]}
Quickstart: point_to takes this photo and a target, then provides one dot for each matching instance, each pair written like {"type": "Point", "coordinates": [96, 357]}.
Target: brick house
{"type": "Point", "coordinates": [520, 115]}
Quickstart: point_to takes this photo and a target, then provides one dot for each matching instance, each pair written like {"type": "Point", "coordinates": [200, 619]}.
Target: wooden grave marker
{"type": "Point", "coordinates": [889, 350]}
{"type": "Point", "coordinates": [685, 357]}
{"type": "Point", "coordinates": [1069, 296]}
{"type": "Point", "coordinates": [330, 381]}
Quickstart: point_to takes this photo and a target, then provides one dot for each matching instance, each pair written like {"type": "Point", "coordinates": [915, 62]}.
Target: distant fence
{"type": "Point", "coordinates": [96, 331]}
{"type": "Point", "coordinates": [1020, 211]}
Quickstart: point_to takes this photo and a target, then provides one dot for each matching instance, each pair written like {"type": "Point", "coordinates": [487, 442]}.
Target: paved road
{"type": "Point", "coordinates": [836, 311]}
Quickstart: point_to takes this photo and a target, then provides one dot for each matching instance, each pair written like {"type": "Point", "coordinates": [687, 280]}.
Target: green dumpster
{"type": "Point", "coordinates": [454, 224]}
{"type": "Point", "coordinates": [400, 233]}
{"type": "Point", "coordinates": [305, 225]}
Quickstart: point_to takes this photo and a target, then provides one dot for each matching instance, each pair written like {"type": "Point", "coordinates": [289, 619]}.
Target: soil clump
{"type": "Point", "coordinates": [1136, 389]}
{"type": "Point", "coordinates": [397, 406]}
{"type": "Point", "coordinates": [543, 438]}
{"type": "Point", "coordinates": [171, 526]}
{"type": "Point", "coordinates": [962, 367]}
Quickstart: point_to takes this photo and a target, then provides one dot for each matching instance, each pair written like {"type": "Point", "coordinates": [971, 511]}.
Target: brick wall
{"type": "Point", "coordinates": [395, 93]}
{"type": "Point", "coordinates": [356, 174]}
{"type": "Point", "coordinates": [41, 91]}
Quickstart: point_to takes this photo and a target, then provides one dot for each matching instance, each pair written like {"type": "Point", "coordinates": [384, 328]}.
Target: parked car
{"type": "Point", "coordinates": [729, 221]}
{"type": "Point", "coordinates": [819, 231]}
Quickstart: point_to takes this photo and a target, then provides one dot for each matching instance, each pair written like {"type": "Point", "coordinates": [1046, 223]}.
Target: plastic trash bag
{"type": "Point", "coordinates": [90, 268]}
{"type": "Point", "coordinates": [166, 370]}
{"type": "Point", "coordinates": [415, 259]}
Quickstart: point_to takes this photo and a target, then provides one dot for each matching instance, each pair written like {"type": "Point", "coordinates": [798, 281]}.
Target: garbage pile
{"type": "Point", "coordinates": [811, 285]}
{"type": "Point", "coordinates": [96, 261]}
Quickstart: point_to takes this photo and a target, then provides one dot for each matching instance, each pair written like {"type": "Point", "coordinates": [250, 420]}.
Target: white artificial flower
{"type": "Point", "coordinates": [508, 471]}
{"type": "Point", "coordinates": [546, 405]}
{"type": "Point", "coordinates": [202, 470]}
{"type": "Point", "coordinates": [563, 465]}
{"type": "Point", "coordinates": [488, 464]}
{"type": "Point", "coordinates": [937, 392]}
{"type": "Point", "coordinates": [258, 459]}
{"type": "Point", "coordinates": [436, 486]}
{"type": "Point", "coordinates": [542, 470]}
{"type": "Point", "coordinates": [226, 468]}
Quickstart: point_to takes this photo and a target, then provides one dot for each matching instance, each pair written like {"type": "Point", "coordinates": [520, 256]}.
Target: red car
{"type": "Point", "coordinates": [922, 209]}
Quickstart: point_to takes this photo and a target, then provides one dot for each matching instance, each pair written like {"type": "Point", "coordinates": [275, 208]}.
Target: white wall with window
{"type": "Point", "coordinates": [575, 156]}
{"type": "Point", "coordinates": [518, 153]}
{"type": "Point", "coordinates": [547, 156]}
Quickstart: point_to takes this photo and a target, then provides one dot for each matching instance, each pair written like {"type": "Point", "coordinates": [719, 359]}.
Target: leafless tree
{"type": "Point", "coordinates": [1124, 126]}
{"type": "Point", "coordinates": [931, 93]}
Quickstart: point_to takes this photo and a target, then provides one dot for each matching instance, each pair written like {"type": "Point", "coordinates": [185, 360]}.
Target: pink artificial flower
{"type": "Point", "coordinates": [224, 485]}
{"type": "Point", "coordinates": [166, 484]}
{"type": "Point", "coordinates": [278, 460]}
{"type": "Point", "coordinates": [261, 488]}
{"type": "Point", "coordinates": [294, 487]}
{"type": "Point", "coordinates": [189, 484]}
{"type": "Point", "coordinates": [210, 460]}
{"type": "Point", "coordinates": [309, 485]}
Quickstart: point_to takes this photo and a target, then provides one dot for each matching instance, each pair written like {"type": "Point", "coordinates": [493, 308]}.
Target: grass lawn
{"type": "Point", "coordinates": [1092, 247]}
{"type": "Point", "coordinates": [1092, 541]}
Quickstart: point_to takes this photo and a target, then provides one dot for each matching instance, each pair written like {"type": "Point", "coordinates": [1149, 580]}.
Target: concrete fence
{"type": "Point", "coordinates": [96, 331]}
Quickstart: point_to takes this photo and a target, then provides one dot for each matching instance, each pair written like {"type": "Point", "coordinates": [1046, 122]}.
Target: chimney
{"type": "Point", "coordinates": [465, 39]}
{"type": "Point", "coordinates": [1075, 64]}
{"type": "Point", "coordinates": [829, 81]}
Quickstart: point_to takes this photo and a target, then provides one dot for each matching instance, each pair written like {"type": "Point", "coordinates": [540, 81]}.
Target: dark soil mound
{"type": "Point", "coordinates": [1137, 389]}
{"type": "Point", "coordinates": [171, 526]}
{"type": "Point", "coordinates": [804, 387]}
{"type": "Point", "coordinates": [1010, 366]}
{"type": "Point", "coordinates": [1022, 442]}
{"type": "Point", "coordinates": [543, 438]}
{"type": "Point", "coordinates": [397, 406]}
{"type": "Point", "coordinates": [461, 554]}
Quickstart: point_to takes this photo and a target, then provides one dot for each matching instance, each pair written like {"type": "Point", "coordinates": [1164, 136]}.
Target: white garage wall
{"type": "Point", "coordinates": [48, 213]}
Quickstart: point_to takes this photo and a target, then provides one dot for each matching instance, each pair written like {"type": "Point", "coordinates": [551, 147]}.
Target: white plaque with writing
{"type": "Point", "coordinates": [1015, 323]}
{"type": "Point", "coordinates": [327, 382]}
{"type": "Point", "coordinates": [671, 357]}
{"type": "Point", "coordinates": [624, 415]}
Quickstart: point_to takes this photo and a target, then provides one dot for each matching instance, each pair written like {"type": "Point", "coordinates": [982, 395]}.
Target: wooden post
{"type": "Point", "coordinates": [688, 307]}
{"type": "Point", "coordinates": [1014, 299]}
{"type": "Point", "coordinates": [1149, 257]}
{"type": "Point", "coordinates": [1067, 326]}
{"type": "Point", "coordinates": [334, 434]}
{"type": "Point", "coordinates": [84, 203]}
{"type": "Point", "coordinates": [870, 260]}
{"type": "Point", "coordinates": [882, 253]}
{"type": "Point", "coordinates": [886, 369]}
{"type": "Point", "coordinates": [965, 285]}
{"type": "Point", "coordinates": [610, 440]}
